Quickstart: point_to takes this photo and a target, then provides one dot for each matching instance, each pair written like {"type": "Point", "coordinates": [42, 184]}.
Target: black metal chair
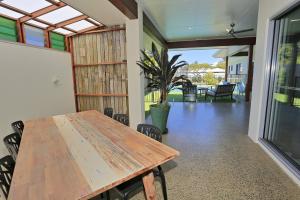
{"type": "Point", "coordinates": [150, 131]}
{"type": "Point", "coordinates": [108, 112]}
{"type": "Point", "coordinates": [18, 127]}
{"type": "Point", "coordinates": [7, 165]}
{"type": "Point", "coordinates": [122, 118]}
{"type": "Point", "coordinates": [130, 187]}
{"type": "Point", "coordinates": [12, 143]}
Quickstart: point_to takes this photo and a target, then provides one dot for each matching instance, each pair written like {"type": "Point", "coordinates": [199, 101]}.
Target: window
{"type": "Point", "coordinates": [34, 36]}
{"type": "Point", "coordinates": [8, 30]}
{"type": "Point", "coordinates": [239, 68]}
{"type": "Point", "coordinates": [31, 22]}
{"type": "Point", "coordinates": [283, 111]}
{"type": "Point", "coordinates": [57, 41]}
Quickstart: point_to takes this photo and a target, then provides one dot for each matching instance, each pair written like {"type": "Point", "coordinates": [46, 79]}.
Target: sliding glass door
{"type": "Point", "coordinates": [282, 128]}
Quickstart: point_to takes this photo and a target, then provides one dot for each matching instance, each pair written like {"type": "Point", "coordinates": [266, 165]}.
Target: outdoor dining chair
{"type": "Point", "coordinates": [18, 127]}
{"type": "Point", "coordinates": [7, 165]}
{"type": "Point", "coordinates": [129, 188]}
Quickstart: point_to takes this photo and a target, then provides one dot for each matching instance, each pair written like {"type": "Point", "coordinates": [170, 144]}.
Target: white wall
{"type": "Point", "coordinates": [148, 42]}
{"type": "Point", "coordinates": [267, 10]}
{"type": "Point", "coordinates": [26, 84]}
{"type": "Point", "coordinates": [134, 42]}
{"type": "Point", "coordinates": [238, 60]}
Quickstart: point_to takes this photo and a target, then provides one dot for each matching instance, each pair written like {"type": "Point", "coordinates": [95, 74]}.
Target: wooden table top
{"type": "Point", "coordinates": [80, 155]}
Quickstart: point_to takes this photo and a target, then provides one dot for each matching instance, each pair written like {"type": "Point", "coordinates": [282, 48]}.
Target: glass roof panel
{"type": "Point", "coordinates": [60, 15]}
{"type": "Point", "coordinates": [10, 13]}
{"type": "Point", "coordinates": [33, 22]}
{"type": "Point", "coordinates": [28, 6]}
{"type": "Point", "coordinates": [62, 31]}
{"type": "Point", "coordinates": [96, 22]}
{"type": "Point", "coordinates": [82, 24]}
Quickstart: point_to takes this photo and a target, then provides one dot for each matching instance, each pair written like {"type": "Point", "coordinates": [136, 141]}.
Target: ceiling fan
{"type": "Point", "coordinates": [233, 32]}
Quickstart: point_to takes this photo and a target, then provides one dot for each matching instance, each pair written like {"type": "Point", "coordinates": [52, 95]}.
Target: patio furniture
{"type": "Point", "coordinates": [189, 93]}
{"type": "Point", "coordinates": [18, 126]}
{"type": "Point", "coordinates": [12, 143]}
{"type": "Point", "coordinates": [241, 87]}
{"type": "Point", "coordinates": [122, 118]}
{"type": "Point", "coordinates": [221, 91]}
{"type": "Point", "coordinates": [7, 165]}
{"type": "Point", "coordinates": [202, 90]}
{"type": "Point", "coordinates": [82, 155]}
{"type": "Point", "coordinates": [129, 188]}
{"type": "Point", "coordinates": [108, 112]}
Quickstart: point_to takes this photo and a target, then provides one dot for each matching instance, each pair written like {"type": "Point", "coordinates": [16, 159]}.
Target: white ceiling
{"type": "Point", "coordinates": [201, 19]}
{"type": "Point", "coordinates": [101, 10]}
{"type": "Point", "coordinates": [229, 51]}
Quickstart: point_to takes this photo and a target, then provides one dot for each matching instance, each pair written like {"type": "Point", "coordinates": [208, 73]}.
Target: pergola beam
{"type": "Point", "coordinates": [250, 75]}
{"type": "Point", "coordinates": [100, 25]}
{"type": "Point", "coordinates": [42, 11]}
{"type": "Point", "coordinates": [53, 2]}
{"type": "Point", "coordinates": [127, 7]}
{"type": "Point", "coordinates": [14, 9]}
{"type": "Point", "coordinates": [83, 31]}
{"type": "Point", "coordinates": [67, 22]}
{"type": "Point", "coordinates": [34, 16]}
{"type": "Point", "coordinates": [212, 43]}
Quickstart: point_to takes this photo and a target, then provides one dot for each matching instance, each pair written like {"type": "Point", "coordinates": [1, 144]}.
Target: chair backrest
{"type": "Point", "coordinates": [122, 118]}
{"type": "Point", "coordinates": [12, 143]}
{"type": "Point", "coordinates": [150, 131]}
{"type": "Point", "coordinates": [225, 89]}
{"type": "Point", "coordinates": [241, 87]}
{"type": "Point", "coordinates": [18, 127]}
{"type": "Point", "coordinates": [108, 112]}
{"type": "Point", "coordinates": [189, 89]}
{"type": "Point", "coordinates": [7, 165]}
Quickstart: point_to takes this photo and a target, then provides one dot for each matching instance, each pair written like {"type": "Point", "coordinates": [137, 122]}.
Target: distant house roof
{"type": "Point", "coordinates": [218, 70]}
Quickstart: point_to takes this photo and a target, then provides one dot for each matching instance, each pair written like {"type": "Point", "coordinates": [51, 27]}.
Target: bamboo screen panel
{"type": "Point", "coordinates": [101, 71]}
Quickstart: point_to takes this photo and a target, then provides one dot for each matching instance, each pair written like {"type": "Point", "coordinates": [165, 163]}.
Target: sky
{"type": "Point", "coordinates": [201, 56]}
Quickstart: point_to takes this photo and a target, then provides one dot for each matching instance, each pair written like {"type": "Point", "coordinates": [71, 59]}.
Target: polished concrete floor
{"type": "Point", "coordinates": [218, 160]}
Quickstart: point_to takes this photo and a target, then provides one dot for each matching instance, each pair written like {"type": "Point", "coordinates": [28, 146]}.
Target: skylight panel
{"type": "Point", "coordinates": [10, 13]}
{"type": "Point", "coordinates": [27, 6]}
{"type": "Point", "coordinates": [60, 15]}
{"type": "Point", "coordinates": [39, 24]}
{"type": "Point", "coordinates": [62, 31]}
{"type": "Point", "coordinates": [82, 24]}
{"type": "Point", "coordinates": [96, 22]}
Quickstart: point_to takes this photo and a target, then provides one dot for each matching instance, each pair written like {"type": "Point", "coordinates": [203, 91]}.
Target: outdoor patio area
{"type": "Point", "coordinates": [218, 160]}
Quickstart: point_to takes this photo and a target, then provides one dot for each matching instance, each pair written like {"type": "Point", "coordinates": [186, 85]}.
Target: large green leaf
{"type": "Point", "coordinates": [160, 71]}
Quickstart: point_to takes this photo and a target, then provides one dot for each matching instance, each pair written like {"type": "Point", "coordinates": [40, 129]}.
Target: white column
{"type": "Point", "coordinates": [134, 42]}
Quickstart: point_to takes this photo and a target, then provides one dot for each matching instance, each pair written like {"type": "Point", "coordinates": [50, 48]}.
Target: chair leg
{"type": "Point", "coordinates": [163, 183]}
{"type": "Point", "coordinates": [125, 197]}
{"type": "Point", "coordinates": [107, 195]}
{"type": "Point", "coordinates": [164, 186]}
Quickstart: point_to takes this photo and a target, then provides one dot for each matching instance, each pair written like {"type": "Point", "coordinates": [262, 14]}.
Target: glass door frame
{"type": "Point", "coordinates": [272, 68]}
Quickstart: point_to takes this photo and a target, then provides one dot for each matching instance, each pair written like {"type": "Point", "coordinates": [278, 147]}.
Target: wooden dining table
{"type": "Point", "coordinates": [81, 155]}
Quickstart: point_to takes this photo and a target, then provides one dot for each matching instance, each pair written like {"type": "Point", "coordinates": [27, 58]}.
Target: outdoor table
{"type": "Point", "coordinates": [80, 155]}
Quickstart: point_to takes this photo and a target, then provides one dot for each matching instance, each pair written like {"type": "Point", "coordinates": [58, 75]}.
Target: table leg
{"type": "Point", "coordinates": [149, 186]}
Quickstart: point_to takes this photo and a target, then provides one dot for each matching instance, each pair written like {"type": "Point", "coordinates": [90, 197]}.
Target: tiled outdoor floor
{"type": "Point", "coordinates": [218, 160]}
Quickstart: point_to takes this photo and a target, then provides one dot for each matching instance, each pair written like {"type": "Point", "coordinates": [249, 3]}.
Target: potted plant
{"type": "Point", "coordinates": [160, 72]}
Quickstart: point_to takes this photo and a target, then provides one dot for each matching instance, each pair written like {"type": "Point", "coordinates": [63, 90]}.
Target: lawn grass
{"type": "Point", "coordinates": [176, 96]}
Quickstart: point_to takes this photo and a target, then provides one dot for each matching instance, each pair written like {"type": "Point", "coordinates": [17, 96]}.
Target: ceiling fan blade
{"type": "Point", "coordinates": [245, 30]}
{"type": "Point", "coordinates": [233, 35]}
